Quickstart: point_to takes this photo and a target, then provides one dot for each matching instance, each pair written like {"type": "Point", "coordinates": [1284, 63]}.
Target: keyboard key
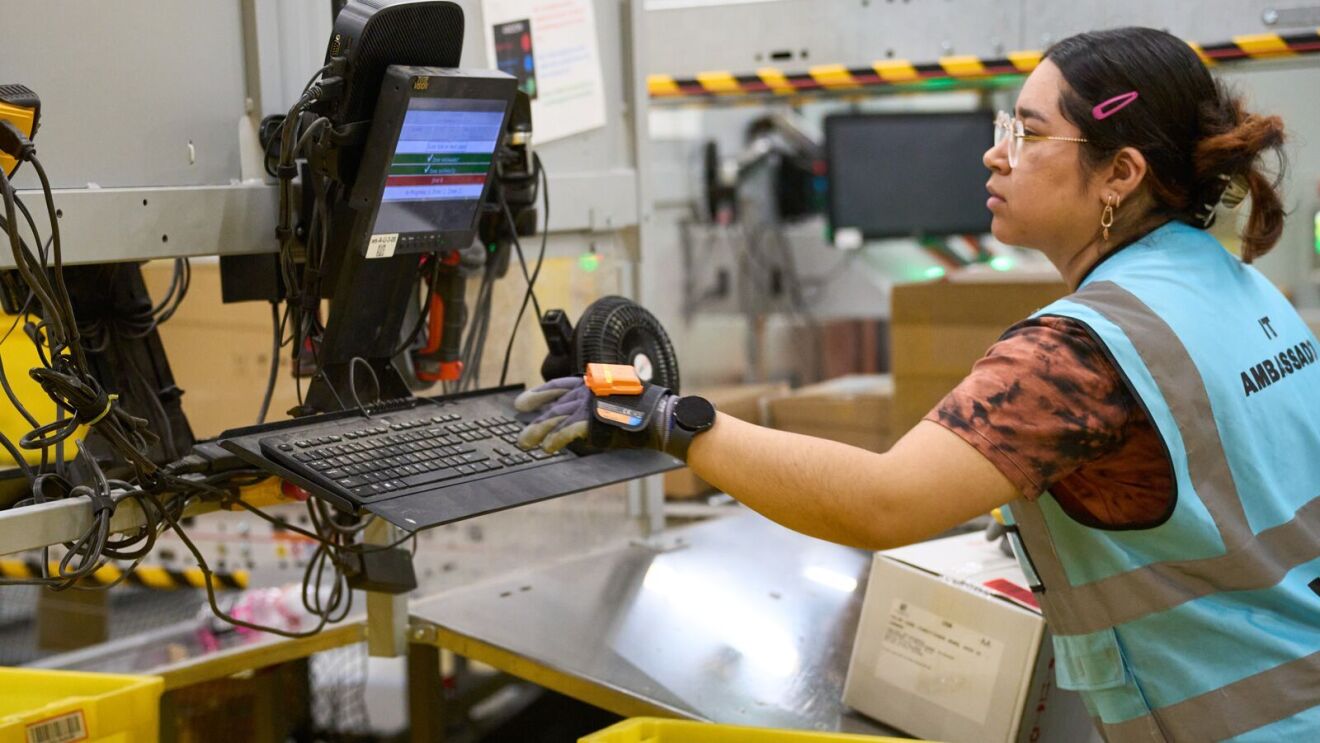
{"type": "Point", "coordinates": [430, 478]}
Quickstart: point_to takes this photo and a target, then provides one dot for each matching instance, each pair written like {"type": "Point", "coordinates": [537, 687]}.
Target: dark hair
{"type": "Point", "coordinates": [1193, 131]}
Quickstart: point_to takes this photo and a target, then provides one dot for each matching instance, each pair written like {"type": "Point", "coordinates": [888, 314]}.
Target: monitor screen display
{"type": "Point", "coordinates": [438, 171]}
{"type": "Point", "coordinates": [896, 175]}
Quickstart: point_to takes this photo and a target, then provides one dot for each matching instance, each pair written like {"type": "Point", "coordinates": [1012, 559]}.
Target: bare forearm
{"type": "Point", "coordinates": [838, 492]}
{"type": "Point", "coordinates": [804, 483]}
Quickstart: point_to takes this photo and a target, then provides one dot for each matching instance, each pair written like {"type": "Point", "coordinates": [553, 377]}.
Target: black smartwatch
{"type": "Point", "coordinates": [691, 416]}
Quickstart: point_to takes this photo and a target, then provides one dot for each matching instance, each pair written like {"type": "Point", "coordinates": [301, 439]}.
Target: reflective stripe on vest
{"type": "Point", "coordinates": [1238, 708]}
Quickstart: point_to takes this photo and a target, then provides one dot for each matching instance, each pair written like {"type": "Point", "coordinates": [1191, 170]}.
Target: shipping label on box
{"type": "Point", "coordinates": [918, 648]}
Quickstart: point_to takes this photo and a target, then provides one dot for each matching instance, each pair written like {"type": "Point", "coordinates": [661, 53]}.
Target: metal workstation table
{"type": "Point", "coordinates": [736, 621]}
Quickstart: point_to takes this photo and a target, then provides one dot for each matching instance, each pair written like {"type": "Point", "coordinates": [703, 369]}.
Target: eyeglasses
{"type": "Point", "coordinates": [1010, 128]}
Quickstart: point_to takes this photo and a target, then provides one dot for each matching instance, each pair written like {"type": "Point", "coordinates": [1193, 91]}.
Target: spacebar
{"type": "Point", "coordinates": [429, 478]}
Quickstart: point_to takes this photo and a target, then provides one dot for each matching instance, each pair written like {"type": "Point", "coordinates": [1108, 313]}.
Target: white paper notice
{"type": "Point", "coordinates": [382, 245]}
{"type": "Point", "coordinates": [951, 665]}
{"type": "Point", "coordinates": [551, 47]}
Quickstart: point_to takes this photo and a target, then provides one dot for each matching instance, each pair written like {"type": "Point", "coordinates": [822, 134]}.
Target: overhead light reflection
{"type": "Point", "coordinates": [830, 578]}
{"type": "Point", "coordinates": [767, 647]}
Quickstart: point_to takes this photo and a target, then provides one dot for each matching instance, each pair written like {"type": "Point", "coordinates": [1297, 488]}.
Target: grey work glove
{"type": "Point", "coordinates": [565, 411]}
{"type": "Point", "coordinates": [568, 411]}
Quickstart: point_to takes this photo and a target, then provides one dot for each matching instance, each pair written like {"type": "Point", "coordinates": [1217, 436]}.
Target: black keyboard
{"type": "Point", "coordinates": [397, 453]}
{"type": "Point", "coordinates": [423, 462]}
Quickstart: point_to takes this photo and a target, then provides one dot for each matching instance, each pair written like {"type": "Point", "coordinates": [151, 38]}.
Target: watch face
{"type": "Point", "coordinates": [694, 413]}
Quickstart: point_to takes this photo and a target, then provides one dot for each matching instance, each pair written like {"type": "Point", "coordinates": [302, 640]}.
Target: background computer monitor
{"type": "Point", "coordinates": [901, 175]}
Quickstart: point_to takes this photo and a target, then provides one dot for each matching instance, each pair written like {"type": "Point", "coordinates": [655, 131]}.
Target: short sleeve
{"type": "Point", "coordinates": [1043, 401]}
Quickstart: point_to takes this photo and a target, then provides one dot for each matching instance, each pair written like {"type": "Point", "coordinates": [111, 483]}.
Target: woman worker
{"type": "Point", "coordinates": [1156, 434]}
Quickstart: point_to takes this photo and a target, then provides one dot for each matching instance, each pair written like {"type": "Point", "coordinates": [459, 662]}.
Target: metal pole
{"type": "Point", "coordinates": [387, 614]}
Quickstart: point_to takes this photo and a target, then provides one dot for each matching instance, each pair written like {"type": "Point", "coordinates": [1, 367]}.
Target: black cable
{"type": "Point", "coordinates": [274, 363]}
{"type": "Point", "coordinates": [540, 260]}
{"type": "Point", "coordinates": [352, 382]}
{"type": "Point", "coordinates": [425, 310]}
{"type": "Point", "coordinates": [474, 343]}
{"type": "Point", "coordinates": [34, 277]}
{"type": "Point", "coordinates": [13, 397]}
{"type": "Point", "coordinates": [486, 312]}
{"type": "Point", "coordinates": [20, 461]}
{"type": "Point", "coordinates": [208, 580]}
{"type": "Point", "coordinates": [62, 290]}
{"type": "Point", "coordinates": [32, 225]}
{"type": "Point", "coordinates": [517, 244]}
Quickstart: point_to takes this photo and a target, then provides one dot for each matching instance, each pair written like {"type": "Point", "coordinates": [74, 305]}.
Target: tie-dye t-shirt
{"type": "Point", "coordinates": [1049, 409]}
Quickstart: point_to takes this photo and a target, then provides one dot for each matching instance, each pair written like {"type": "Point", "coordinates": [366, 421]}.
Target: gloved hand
{"type": "Point", "coordinates": [568, 412]}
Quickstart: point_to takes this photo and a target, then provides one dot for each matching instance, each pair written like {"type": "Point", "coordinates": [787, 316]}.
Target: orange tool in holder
{"type": "Point", "coordinates": [439, 360]}
{"type": "Point", "coordinates": [613, 379]}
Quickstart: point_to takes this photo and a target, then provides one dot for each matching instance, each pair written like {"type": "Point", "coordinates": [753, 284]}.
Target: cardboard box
{"type": "Point", "coordinates": [853, 346]}
{"type": "Point", "coordinates": [939, 329]}
{"type": "Point", "coordinates": [951, 648]}
{"type": "Point", "coordinates": [220, 353]}
{"type": "Point", "coordinates": [742, 401]}
{"type": "Point", "coordinates": [855, 410]}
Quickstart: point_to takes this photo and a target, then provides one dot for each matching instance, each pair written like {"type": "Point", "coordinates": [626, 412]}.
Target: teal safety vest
{"type": "Point", "coordinates": [1206, 624]}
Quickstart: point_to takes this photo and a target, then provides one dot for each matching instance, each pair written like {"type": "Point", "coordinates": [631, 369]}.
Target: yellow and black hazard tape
{"type": "Point", "coordinates": [957, 69]}
{"type": "Point", "coordinates": [146, 576]}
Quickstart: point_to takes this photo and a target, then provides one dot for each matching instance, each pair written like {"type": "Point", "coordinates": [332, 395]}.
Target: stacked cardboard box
{"type": "Point", "coordinates": [742, 401]}
{"type": "Point", "coordinates": [855, 409]}
{"type": "Point", "coordinates": [939, 329]}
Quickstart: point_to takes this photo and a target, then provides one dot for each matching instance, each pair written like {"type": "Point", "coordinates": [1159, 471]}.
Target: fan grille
{"type": "Point", "coordinates": [614, 330]}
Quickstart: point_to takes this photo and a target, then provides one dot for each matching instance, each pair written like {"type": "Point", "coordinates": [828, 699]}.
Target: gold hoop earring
{"type": "Point", "coordinates": [1107, 217]}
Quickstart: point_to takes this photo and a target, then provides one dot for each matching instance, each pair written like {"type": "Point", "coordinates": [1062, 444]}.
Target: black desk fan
{"type": "Point", "coordinates": [612, 330]}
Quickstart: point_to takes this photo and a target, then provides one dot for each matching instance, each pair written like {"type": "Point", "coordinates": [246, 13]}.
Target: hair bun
{"type": "Point", "coordinates": [1235, 139]}
{"type": "Point", "coordinates": [1228, 166]}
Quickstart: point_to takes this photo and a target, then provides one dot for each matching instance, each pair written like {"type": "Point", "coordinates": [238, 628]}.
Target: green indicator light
{"type": "Point", "coordinates": [938, 83]}
{"type": "Point", "coordinates": [1317, 233]}
{"type": "Point", "coordinates": [589, 262]}
{"type": "Point", "coordinates": [1001, 263]}
{"type": "Point", "coordinates": [934, 272]}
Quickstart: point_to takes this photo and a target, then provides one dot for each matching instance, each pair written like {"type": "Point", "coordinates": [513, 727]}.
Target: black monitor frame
{"type": "Point", "coordinates": [402, 85]}
{"type": "Point", "coordinates": [831, 141]}
{"type": "Point", "coordinates": [371, 294]}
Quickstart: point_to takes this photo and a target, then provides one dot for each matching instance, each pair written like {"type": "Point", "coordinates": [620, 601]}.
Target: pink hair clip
{"type": "Point", "coordinates": [1112, 106]}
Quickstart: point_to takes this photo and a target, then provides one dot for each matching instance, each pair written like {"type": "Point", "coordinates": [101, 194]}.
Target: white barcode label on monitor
{"type": "Point", "coordinates": [62, 729]}
{"type": "Point", "coordinates": [382, 246]}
